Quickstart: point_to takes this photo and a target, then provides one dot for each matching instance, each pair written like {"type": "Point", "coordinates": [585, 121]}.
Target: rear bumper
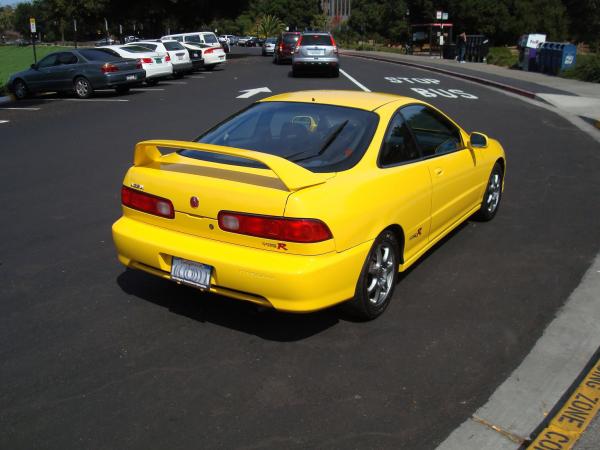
{"type": "Point", "coordinates": [286, 282]}
{"type": "Point", "coordinates": [120, 79]}
{"type": "Point", "coordinates": [182, 67]}
{"type": "Point", "coordinates": [308, 63]}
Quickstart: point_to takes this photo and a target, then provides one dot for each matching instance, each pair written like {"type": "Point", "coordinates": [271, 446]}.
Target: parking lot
{"type": "Point", "coordinates": [96, 356]}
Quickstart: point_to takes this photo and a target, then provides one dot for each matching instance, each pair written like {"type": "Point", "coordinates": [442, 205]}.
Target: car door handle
{"type": "Point", "coordinates": [438, 171]}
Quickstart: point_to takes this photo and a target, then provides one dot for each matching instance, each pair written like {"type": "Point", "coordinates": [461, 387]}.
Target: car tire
{"type": "Point", "coordinates": [82, 87]}
{"type": "Point", "coordinates": [492, 195]}
{"type": "Point", "coordinates": [122, 89]}
{"type": "Point", "coordinates": [210, 67]}
{"type": "Point", "coordinates": [151, 82]}
{"type": "Point", "coordinates": [377, 279]}
{"type": "Point", "coordinates": [20, 89]}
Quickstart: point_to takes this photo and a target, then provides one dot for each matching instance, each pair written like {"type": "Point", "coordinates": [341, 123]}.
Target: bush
{"type": "Point", "coordinates": [587, 68]}
{"type": "Point", "coordinates": [502, 56]}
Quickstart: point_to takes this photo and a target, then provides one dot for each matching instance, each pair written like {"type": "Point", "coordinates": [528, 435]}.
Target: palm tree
{"type": "Point", "coordinates": [269, 25]}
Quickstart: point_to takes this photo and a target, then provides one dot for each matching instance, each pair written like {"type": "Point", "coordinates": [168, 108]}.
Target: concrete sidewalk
{"type": "Point", "coordinates": [575, 97]}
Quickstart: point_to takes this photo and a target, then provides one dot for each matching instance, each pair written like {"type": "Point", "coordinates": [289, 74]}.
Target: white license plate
{"type": "Point", "coordinates": [191, 273]}
{"type": "Point", "coordinates": [158, 60]}
{"type": "Point", "coordinates": [130, 77]}
{"type": "Point", "coordinates": [315, 52]}
{"type": "Point", "coordinates": [180, 57]}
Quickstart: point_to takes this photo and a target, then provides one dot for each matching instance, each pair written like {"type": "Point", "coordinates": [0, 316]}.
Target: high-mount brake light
{"type": "Point", "coordinates": [108, 68]}
{"type": "Point", "coordinates": [276, 228]}
{"type": "Point", "coordinates": [147, 203]}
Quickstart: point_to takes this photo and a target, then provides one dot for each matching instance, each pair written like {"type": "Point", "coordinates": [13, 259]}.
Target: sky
{"type": "Point", "coordinates": [9, 2]}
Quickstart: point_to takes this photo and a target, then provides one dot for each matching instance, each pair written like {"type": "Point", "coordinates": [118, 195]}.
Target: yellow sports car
{"type": "Point", "coordinates": [307, 199]}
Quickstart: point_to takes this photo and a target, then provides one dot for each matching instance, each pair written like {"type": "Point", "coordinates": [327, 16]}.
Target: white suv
{"type": "Point", "coordinates": [199, 37]}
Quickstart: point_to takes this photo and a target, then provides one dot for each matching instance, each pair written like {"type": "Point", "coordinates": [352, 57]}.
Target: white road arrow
{"type": "Point", "coordinates": [250, 92]}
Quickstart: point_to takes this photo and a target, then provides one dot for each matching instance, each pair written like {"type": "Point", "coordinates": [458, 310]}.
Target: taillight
{"type": "Point", "coordinates": [209, 50]}
{"type": "Point", "coordinates": [138, 65]}
{"type": "Point", "coordinates": [280, 47]}
{"type": "Point", "coordinates": [297, 49]}
{"type": "Point", "coordinates": [335, 49]}
{"type": "Point", "coordinates": [108, 67]}
{"type": "Point", "coordinates": [147, 203]}
{"type": "Point", "coordinates": [146, 60]}
{"type": "Point", "coordinates": [276, 228]}
{"type": "Point", "coordinates": [168, 58]}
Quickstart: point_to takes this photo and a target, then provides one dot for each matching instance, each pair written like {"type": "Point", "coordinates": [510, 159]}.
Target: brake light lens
{"type": "Point", "coordinates": [147, 203]}
{"type": "Point", "coordinates": [209, 50]}
{"type": "Point", "coordinates": [168, 58]}
{"type": "Point", "coordinates": [108, 67]}
{"type": "Point", "coordinates": [276, 228]}
{"type": "Point", "coordinates": [335, 49]}
{"type": "Point", "coordinates": [146, 60]}
{"type": "Point", "coordinates": [297, 49]}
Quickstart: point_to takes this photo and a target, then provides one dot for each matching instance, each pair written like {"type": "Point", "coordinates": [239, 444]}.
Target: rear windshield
{"type": "Point", "coordinates": [321, 138]}
{"type": "Point", "coordinates": [135, 49]}
{"type": "Point", "coordinates": [147, 45]}
{"type": "Point", "coordinates": [290, 38]}
{"type": "Point", "coordinates": [210, 38]}
{"type": "Point", "coordinates": [173, 46]}
{"type": "Point", "coordinates": [316, 39]}
{"type": "Point", "coordinates": [271, 40]}
{"type": "Point", "coordinates": [192, 38]}
{"type": "Point", "coordinates": [104, 54]}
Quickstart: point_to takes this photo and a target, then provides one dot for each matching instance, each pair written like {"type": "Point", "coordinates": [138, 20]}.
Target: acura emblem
{"type": "Point", "coordinates": [194, 202]}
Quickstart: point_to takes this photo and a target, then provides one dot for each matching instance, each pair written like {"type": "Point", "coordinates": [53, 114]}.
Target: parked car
{"type": "Point", "coordinates": [80, 71]}
{"type": "Point", "coordinates": [200, 37]}
{"type": "Point", "coordinates": [195, 54]}
{"type": "Point", "coordinates": [105, 41]}
{"type": "Point", "coordinates": [211, 56]}
{"type": "Point", "coordinates": [316, 52]}
{"type": "Point", "coordinates": [128, 39]}
{"type": "Point", "coordinates": [284, 47]}
{"type": "Point", "coordinates": [260, 41]}
{"type": "Point", "coordinates": [308, 232]}
{"type": "Point", "coordinates": [230, 38]}
{"type": "Point", "coordinates": [224, 41]}
{"type": "Point", "coordinates": [156, 64]}
{"type": "Point", "coordinates": [247, 41]}
{"type": "Point", "coordinates": [178, 55]}
{"type": "Point", "coordinates": [268, 47]}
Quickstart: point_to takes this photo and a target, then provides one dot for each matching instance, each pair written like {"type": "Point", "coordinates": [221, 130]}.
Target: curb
{"type": "Point", "coordinates": [496, 84]}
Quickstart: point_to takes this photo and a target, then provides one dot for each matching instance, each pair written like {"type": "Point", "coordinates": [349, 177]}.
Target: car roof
{"type": "Point", "coordinates": [369, 101]}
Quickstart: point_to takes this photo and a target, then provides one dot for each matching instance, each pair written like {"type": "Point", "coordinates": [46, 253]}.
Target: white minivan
{"type": "Point", "coordinates": [199, 37]}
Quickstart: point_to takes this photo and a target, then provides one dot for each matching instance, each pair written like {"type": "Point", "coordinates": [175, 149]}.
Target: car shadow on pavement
{"type": "Point", "coordinates": [238, 315]}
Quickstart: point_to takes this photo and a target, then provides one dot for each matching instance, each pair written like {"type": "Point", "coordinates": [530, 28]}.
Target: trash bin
{"type": "Point", "coordinates": [568, 57]}
{"type": "Point", "coordinates": [546, 55]}
{"type": "Point", "coordinates": [554, 57]}
{"type": "Point", "coordinates": [477, 48]}
{"type": "Point", "coordinates": [449, 51]}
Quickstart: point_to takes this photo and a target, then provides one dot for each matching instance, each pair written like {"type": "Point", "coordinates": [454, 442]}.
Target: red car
{"type": "Point", "coordinates": [284, 48]}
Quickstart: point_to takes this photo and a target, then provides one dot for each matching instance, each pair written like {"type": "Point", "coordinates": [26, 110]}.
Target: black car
{"type": "Point", "coordinates": [80, 71]}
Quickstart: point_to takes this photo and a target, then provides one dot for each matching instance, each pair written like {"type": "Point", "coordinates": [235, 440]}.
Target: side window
{"type": "Point", "coordinates": [433, 132]}
{"type": "Point", "coordinates": [48, 61]}
{"type": "Point", "coordinates": [398, 145]}
{"type": "Point", "coordinates": [67, 58]}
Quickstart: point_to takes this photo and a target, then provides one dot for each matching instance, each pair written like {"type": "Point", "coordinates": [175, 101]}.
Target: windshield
{"type": "Point", "coordinates": [210, 38]}
{"type": "Point", "coordinates": [104, 54]}
{"type": "Point", "coordinates": [193, 38]}
{"type": "Point", "coordinates": [321, 138]}
{"type": "Point", "coordinates": [135, 49]}
{"type": "Point", "coordinates": [173, 46]}
{"type": "Point", "coordinates": [316, 39]}
{"type": "Point", "coordinates": [271, 40]}
{"type": "Point", "coordinates": [290, 38]}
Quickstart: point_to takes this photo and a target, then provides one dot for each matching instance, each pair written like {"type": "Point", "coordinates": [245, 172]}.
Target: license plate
{"type": "Point", "coordinates": [315, 52]}
{"type": "Point", "coordinates": [131, 77]}
{"type": "Point", "coordinates": [191, 273]}
{"type": "Point", "coordinates": [158, 60]}
{"type": "Point", "coordinates": [180, 57]}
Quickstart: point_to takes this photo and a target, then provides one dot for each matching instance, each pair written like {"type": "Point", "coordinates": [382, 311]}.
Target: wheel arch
{"type": "Point", "coordinates": [399, 234]}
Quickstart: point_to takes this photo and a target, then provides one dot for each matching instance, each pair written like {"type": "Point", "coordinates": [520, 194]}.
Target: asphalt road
{"type": "Point", "coordinates": [94, 356]}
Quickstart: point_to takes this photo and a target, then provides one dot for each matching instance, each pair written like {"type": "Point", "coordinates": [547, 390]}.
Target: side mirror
{"type": "Point", "coordinates": [34, 66]}
{"type": "Point", "coordinates": [478, 140]}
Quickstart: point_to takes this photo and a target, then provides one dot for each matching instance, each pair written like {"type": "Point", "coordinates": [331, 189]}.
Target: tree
{"type": "Point", "coordinates": [269, 25]}
{"type": "Point", "coordinates": [7, 15]}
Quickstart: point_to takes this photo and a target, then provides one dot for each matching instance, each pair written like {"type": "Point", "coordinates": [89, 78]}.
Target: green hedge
{"type": "Point", "coordinates": [502, 56]}
{"type": "Point", "coordinates": [587, 68]}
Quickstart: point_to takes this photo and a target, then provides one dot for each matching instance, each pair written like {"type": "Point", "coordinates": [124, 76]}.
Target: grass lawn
{"type": "Point", "coordinates": [15, 59]}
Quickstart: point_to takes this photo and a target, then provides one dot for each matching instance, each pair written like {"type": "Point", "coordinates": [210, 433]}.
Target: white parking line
{"type": "Point", "coordinates": [147, 89]}
{"type": "Point", "coordinates": [22, 109]}
{"type": "Point", "coordinates": [193, 77]}
{"type": "Point", "coordinates": [4, 121]}
{"type": "Point", "coordinates": [85, 99]}
{"type": "Point", "coordinates": [363, 87]}
{"type": "Point", "coordinates": [174, 82]}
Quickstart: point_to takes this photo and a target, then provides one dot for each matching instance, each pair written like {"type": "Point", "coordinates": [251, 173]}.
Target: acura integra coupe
{"type": "Point", "coordinates": [306, 200]}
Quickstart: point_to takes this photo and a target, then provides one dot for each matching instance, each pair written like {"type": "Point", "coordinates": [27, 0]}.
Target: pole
{"type": "Point", "coordinates": [106, 28]}
{"type": "Point", "coordinates": [33, 45]}
{"type": "Point", "coordinates": [75, 31]}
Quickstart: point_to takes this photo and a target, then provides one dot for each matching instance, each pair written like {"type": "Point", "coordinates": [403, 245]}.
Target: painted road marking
{"type": "Point", "coordinates": [250, 92]}
{"type": "Point", "coordinates": [567, 426]}
{"type": "Point", "coordinates": [22, 109]}
{"type": "Point", "coordinates": [4, 121]}
{"type": "Point", "coordinates": [174, 82]}
{"type": "Point", "coordinates": [363, 87]}
{"type": "Point", "coordinates": [147, 89]}
{"type": "Point", "coordinates": [85, 99]}
{"type": "Point", "coordinates": [447, 93]}
{"type": "Point", "coordinates": [399, 80]}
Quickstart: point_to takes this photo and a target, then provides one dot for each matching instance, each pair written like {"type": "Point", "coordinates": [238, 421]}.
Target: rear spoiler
{"type": "Point", "coordinates": [293, 176]}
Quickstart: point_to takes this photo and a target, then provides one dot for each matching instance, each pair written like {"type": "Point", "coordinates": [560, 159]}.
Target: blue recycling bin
{"type": "Point", "coordinates": [568, 57]}
{"type": "Point", "coordinates": [544, 58]}
{"type": "Point", "coordinates": [557, 52]}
